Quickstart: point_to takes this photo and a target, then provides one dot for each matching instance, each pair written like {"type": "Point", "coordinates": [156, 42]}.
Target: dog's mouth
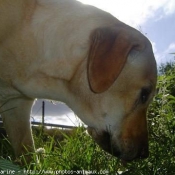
{"type": "Point", "coordinates": [104, 141]}
{"type": "Point", "coordinates": [127, 151]}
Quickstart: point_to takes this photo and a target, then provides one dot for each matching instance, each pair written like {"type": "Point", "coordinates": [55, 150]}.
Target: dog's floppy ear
{"type": "Point", "coordinates": [107, 56]}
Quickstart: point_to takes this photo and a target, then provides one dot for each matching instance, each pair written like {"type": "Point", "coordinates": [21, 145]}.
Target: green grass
{"type": "Point", "coordinates": [79, 152]}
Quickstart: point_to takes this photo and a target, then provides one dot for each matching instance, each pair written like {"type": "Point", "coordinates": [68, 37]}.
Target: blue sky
{"type": "Point", "coordinates": [154, 18]}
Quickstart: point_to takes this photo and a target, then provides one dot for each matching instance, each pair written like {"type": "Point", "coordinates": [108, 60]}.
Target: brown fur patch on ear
{"type": "Point", "coordinates": [107, 56]}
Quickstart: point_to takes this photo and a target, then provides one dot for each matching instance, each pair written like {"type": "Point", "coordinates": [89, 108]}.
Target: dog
{"type": "Point", "coordinates": [63, 50]}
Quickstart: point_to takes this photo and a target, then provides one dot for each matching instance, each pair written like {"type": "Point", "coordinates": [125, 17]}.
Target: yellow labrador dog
{"type": "Point", "coordinates": [100, 67]}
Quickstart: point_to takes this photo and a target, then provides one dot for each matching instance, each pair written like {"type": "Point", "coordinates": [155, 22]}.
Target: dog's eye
{"type": "Point", "coordinates": [145, 92]}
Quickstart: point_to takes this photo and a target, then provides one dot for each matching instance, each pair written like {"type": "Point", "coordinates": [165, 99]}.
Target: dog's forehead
{"type": "Point", "coordinates": [138, 72]}
{"type": "Point", "coordinates": [142, 64]}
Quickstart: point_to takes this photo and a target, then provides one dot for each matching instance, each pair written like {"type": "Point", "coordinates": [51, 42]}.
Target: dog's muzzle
{"type": "Point", "coordinates": [125, 149]}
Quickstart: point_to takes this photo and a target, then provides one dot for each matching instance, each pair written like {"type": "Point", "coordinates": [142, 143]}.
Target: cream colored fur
{"type": "Point", "coordinates": [44, 48]}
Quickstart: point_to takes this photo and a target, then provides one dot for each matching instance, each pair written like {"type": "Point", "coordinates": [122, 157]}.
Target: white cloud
{"type": "Point", "coordinates": [154, 48]}
{"type": "Point", "coordinates": [166, 55]}
{"type": "Point", "coordinates": [69, 119]}
{"type": "Point", "coordinates": [169, 7]}
{"type": "Point", "coordinates": [158, 56]}
{"type": "Point", "coordinates": [171, 48]}
{"type": "Point", "coordinates": [135, 12]}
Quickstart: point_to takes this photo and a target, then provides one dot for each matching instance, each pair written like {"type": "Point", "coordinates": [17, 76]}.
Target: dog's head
{"type": "Point", "coordinates": [116, 89]}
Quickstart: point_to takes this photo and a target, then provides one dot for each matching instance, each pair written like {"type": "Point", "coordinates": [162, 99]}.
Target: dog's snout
{"type": "Point", "coordinates": [127, 149]}
{"type": "Point", "coordinates": [133, 149]}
